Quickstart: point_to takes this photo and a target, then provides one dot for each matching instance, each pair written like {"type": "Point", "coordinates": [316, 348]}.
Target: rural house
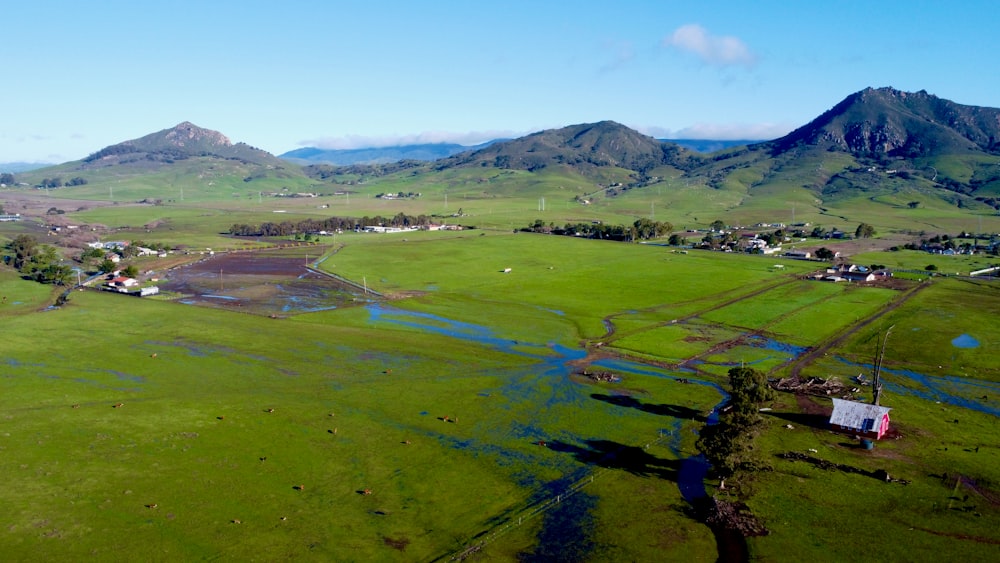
{"type": "Point", "coordinates": [863, 419]}
{"type": "Point", "coordinates": [122, 284]}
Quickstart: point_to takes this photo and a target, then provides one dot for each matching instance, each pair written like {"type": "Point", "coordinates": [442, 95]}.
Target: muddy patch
{"type": "Point", "coordinates": [262, 283]}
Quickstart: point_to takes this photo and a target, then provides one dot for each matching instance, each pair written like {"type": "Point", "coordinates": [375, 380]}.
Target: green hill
{"type": "Point", "coordinates": [583, 147]}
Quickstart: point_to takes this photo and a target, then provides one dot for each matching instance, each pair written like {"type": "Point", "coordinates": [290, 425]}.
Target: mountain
{"type": "Point", "coordinates": [583, 147]}
{"type": "Point", "coordinates": [180, 142]}
{"type": "Point", "coordinates": [378, 155]}
{"type": "Point", "coordinates": [12, 167]}
{"type": "Point", "coordinates": [886, 122]}
{"type": "Point", "coordinates": [877, 144]}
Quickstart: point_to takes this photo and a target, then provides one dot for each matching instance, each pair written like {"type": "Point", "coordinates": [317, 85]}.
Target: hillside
{"type": "Point", "coordinates": [876, 145]}
{"type": "Point", "coordinates": [184, 154]}
{"type": "Point", "coordinates": [886, 122]}
{"type": "Point", "coordinates": [180, 142]}
{"type": "Point", "coordinates": [880, 156]}
{"type": "Point", "coordinates": [584, 147]}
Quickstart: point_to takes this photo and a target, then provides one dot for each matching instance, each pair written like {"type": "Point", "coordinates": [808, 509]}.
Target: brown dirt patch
{"type": "Point", "coordinates": [399, 544]}
{"type": "Point", "coordinates": [809, 406]}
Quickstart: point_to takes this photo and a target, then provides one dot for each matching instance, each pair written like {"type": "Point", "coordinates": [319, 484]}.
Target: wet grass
{"type": "Point", "coordinates": [195, 388]}
{"type": "Point", "coordinates": [926, 325]}
{"type": "Point", "coordinates": [491, 352]}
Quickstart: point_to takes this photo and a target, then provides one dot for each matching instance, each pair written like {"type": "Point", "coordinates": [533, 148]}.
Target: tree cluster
{"type": "Point", "coordinates": [864, 230]}
{"type": "Point", "coordinates": [728, 445]}
{"type": "Point", "coordinates": [641, 229]}
{"type": "Point", "coordinates": [35, 261]}
{"type": "Point", "coordinates": [331, 224]}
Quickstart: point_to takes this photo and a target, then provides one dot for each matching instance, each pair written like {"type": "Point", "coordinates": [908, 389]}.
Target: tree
{"type": "Point", "coordinates": [92, 253]}
{"type": "Point", "coordinates": [825, 254]}
{"type": "Point", "coordinates": [749, 390]}
{"type": "Point", "coordinates": [717, 225]}
{"type": "Point", "coordinates": [130, 271]}
{"type": "Point", "coordinates": [106, 266]}
{"type": "Point", "coordinates": [864, 230]}
{"type": "Point", "coordinates": [23, 247]}
{"type": "Point", "coordinates": [913, 204]}
{"type": "Point", "coordinates": [728, 445]}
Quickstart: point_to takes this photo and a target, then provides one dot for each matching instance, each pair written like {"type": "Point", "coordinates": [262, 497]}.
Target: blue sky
{"type": "Point", "coordinates": [79, 76]}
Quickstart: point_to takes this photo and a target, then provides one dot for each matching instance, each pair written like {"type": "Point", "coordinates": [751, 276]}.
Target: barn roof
{"type": "Point", "coordinates": [850, 414]}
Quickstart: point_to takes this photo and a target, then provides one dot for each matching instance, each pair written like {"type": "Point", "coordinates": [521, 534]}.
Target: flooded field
{"type": "Point", "coordinates": [276, 282]}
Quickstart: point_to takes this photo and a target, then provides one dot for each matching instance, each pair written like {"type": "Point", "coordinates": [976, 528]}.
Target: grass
{"type": "Point", "coordinates": [193, 423]}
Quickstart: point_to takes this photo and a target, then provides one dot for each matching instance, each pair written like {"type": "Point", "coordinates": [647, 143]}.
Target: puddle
{"type": "Point", "coordinates": [965, 341]}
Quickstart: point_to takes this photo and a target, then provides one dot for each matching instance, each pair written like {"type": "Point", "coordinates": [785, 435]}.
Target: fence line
{"type": "Point", "coordinates": [534, 509]}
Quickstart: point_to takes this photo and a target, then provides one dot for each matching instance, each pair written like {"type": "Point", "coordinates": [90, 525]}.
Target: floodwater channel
{"type": "Point", "coordinates": [557, 366]}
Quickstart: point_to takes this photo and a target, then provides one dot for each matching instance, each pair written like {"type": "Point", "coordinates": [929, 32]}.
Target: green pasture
{"type": "Point", "coordinates": [18, 297]}
{"type": "Point", "coordinates": [499, 199]}
{"type": "Point", "coordinates": [194, 422]}
{"type": "Point", "coordinates": [926, 325]}
{"type": "Point", "coordinates": [459, 337]}
{"type": "Point", "coordinates": [584, 281]}
{"type": "Point", "coordinates": [826, 515]}
{"type": "Point", "coordinates": [959, 264]}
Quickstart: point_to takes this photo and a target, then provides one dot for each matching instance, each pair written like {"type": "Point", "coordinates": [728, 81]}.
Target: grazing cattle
{"type": "Point", "coordinates": [118, 405]}
{"type": "Point", "coordinates": [76, 406]}
{"type": "Point", "coordinates": [153, 505]}
{"type": "Point", "coordinates": [235, 521]}
{"type": "Point", "coordinates": [299, 487]}
{"type": "Point", "coordinates": [367, 492]}
{"type": "Point", "coordinates": [221, 417]}
{"type": "Point", "coordinates": [407, 442]}
{"type": "Point", "coordinates": [153, 355]}
{"type": "Point", "coordinates": [270, 410]}
{"type": "Point", "coordinates": [263, 458]}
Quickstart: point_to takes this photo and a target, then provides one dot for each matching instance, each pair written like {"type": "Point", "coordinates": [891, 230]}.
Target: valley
{"type": "Point", "coordinates": [524, 378]}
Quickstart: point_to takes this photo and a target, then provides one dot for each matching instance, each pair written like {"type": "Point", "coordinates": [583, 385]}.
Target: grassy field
{"type": "Point", "coordinates": [176, 471]}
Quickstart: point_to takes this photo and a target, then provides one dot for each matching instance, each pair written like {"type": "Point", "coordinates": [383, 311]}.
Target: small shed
{"type": "Point", "coordinates": [863, 419]}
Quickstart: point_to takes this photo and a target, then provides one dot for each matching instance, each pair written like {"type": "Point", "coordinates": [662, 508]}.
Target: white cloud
{"type": "Point", "coordinates": [715, 50]}
{"type": "Point", "coordinates": [347, 142]}
{"type": "Point", "coordinates": [722, 131]}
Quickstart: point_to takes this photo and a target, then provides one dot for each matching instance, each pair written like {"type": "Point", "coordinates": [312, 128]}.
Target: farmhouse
{"type": "Point", "coordinates": [854, 273]}
{"type": "Point", "coordinates": [863, 419]}
{"type": "Point", "coordinates": [380, 229]}
{"type": "Point", "coordinates": [122, 284]}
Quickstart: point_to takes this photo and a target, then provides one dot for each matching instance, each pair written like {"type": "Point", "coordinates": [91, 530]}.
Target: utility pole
{"type": "Point", "coordinates": [880, 354]}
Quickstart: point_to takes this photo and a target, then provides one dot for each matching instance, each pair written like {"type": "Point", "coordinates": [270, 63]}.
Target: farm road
{"type": "Point", "coordinates": [612, 334]}
{"type": "Point", "coordinates": [819, 351]}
